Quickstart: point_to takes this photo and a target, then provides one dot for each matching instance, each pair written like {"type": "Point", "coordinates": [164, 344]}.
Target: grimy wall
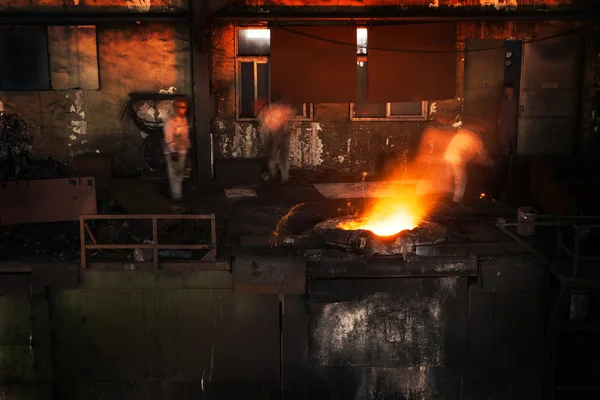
{"type": "Point", "coordinates": [143, 335]}
{"type": "Point", "coordinates": [333, 141]}
{"type": "Point", "coordinates": [74, 116]}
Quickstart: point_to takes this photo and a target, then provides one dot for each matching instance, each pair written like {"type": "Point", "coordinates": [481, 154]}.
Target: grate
{"type": "Point", "coordinates": [8, 28]}
{"type": "Point", "coordinates": [579, 305]}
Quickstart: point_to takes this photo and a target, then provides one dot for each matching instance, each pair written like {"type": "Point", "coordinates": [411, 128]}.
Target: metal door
{"type": "Point", "coordinates": [548, 100]}
{"type": "Point", "coordinates": [484, 77]}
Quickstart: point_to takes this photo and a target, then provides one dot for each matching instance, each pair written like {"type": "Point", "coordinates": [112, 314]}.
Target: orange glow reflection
{"type": "Point", "coordinates": [404, 208]}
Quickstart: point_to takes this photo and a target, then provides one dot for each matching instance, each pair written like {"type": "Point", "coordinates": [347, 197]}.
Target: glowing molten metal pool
{"type": "Point", "coordinates": [388, 217]}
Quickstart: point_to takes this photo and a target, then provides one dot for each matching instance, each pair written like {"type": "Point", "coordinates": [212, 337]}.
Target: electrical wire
{"type": "Point", "coordinates": [561, 34]}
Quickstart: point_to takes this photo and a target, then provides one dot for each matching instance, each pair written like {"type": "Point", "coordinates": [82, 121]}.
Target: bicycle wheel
{"type": "Point", "coordinates": [153, 158]}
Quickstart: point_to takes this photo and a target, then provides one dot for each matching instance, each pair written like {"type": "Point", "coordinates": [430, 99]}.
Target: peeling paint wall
{"type": "Point", "coordinates": [92, 5]}
{"type": "Point", "coordinates": [498, 4]}
{"type": "Point", "coordinates": [332, 141]}
{"type": "Point", "coordinates": [145, 57]}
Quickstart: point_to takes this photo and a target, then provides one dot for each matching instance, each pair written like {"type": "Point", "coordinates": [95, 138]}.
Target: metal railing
{"type": "Point", "coordinates": [155, 246]}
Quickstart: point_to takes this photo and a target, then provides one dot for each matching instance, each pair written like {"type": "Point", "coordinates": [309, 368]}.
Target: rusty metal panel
{"type": "Point", "coordinates": [47, 200]}
{"type": "Point", "coordinates": [549, 79]}
{"type": "Point", "coordinates": [539, 136]}
{"type": "Point", "coordinates": [484, 76]}
{"type": "Point", "coordinates": [96, 165]}
{"type": "Point", "coordinates": [550, 64]}
{"type": "Point", "coordinates": [552, 103]}
{"type": "Point", "coordinates": [269, 274]}
{"type": "Point", "coordinates": [399, 338]}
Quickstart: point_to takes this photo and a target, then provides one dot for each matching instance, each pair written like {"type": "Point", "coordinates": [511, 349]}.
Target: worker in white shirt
{"type": "Point", "coordinates": [176, 145]}
{"type": "Point", "coordinates": [274, 127]}
{"type": "Point", "coordinates": [465, 146]}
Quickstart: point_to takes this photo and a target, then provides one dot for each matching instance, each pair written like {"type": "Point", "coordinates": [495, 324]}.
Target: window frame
{"type": "Point", "coordinates": [49, 59]}
{"type": "Point", "coordinates": [307, 108]}
{"type": "Point", "coordinates": [49, 70]}
{"type": "Point", "coordinates": [363, 58]}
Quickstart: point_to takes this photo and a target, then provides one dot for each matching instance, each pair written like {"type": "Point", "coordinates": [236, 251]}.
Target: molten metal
{"type": "Point", "coordinates": [388, 217]}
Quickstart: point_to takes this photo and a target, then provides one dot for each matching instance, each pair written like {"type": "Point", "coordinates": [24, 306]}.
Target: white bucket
{"type": "Point", "coordinates": [526, 221]}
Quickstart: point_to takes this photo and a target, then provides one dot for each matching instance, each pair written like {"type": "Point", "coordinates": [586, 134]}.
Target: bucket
{"type": "Point", "coordinates": [526, 221]}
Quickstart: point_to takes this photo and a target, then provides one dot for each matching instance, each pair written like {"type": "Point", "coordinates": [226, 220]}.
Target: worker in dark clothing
{"type": "Point", "coordinates": [507, 132]}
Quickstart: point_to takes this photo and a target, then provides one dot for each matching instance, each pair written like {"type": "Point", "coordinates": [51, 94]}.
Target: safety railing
{"type": "Point", "coordinates": [84, 231]}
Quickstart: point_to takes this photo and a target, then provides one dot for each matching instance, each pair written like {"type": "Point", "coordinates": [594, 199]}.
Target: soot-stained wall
{"type": "Point", "coordinates": [331, 140]}
{"type": "Point", "coordinates": [142, 57]}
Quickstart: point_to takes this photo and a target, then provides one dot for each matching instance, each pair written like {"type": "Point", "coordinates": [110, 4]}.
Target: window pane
{"type": "Point", "coordinates": [363, 108]}
{"type": "Point", "coordinates": [361, 41]}
{"type": "Point", "coordinates": [247, 89]}
{"type": "Point", "coordinates": [298, 109]}
{"type": "Point", "coordinates": [24, 59]}
{"type": "Point", "coordinates": [262, 75]}
{"type": "Point", "coordinates": [412, 108]}
{"type": "Point", "coordinates": [254, 42]}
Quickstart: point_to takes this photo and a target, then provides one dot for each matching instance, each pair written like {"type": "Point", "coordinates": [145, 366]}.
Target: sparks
{"type": "Point", "coordinates": [281, 224]}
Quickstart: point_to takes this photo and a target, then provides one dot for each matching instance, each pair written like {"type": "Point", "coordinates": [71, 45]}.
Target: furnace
{"type": "Point", "coordinates": [404, 244]}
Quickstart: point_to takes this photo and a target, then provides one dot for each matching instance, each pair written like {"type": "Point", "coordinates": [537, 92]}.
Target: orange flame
{"type": "Point", "coordinates": [404, 209]}
{"type": "Point", "coordinates": [389, 216]}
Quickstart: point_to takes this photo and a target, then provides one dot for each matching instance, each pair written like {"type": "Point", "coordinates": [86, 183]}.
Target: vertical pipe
{"type": "Point", "coordinates": [192, 106]}
{"type": "Point", "coordinates": [82, 240]}
{"type": "Point", "coordinates": [213, 231]}
{"type": "Point", "coordinates": [576, 251]}
{"type": "Point", "coordinates": [281, 363]}
{"type": "Point", "coordinates": [155, 242]}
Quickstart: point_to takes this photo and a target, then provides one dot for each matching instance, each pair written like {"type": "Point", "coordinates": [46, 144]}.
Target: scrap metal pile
{"type": "Point", "coordinates": [16, 143]}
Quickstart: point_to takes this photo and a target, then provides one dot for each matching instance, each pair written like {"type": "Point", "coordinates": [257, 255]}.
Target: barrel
{"type": "Point", "coordinates": [526, 221]}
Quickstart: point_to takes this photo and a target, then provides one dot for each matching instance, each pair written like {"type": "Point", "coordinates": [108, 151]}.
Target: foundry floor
{"type": "Point", "coordinates": [235, 217]}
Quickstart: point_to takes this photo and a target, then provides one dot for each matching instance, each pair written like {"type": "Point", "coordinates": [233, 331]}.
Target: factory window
{"type": "Point", "coordinates": [24, 58]}
{"type": "Point", "coordinates": [73, 57]}
{"type": "Point", "coordinates": [48, 58]}
{"type": "Point", "coordinates": [252, 74]}
{"type": "Point", "coordinates": [363, 110]}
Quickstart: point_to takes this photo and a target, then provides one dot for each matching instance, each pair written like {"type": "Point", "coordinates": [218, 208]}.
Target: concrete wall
{"type": "Point", "coordinates": [331, 140]}
{"type": "Point", "coordinates": [143, 57]}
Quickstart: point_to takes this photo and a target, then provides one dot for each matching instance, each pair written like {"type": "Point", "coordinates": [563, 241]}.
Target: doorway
{"type": "Point", "coordinates": [549, 97]}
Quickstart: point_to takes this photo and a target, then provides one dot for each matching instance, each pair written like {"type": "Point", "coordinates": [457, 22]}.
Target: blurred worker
{"type": "Point", "coordinates": [176, 145]}
{"type": "Point", "coordinates": [429, 162]}
{"type": "Point", "coordinates": [507, 131]}
{"type": "Point", "coordinates": [465, 146]}
{"type": "Point", "coordinates": [275, 130]}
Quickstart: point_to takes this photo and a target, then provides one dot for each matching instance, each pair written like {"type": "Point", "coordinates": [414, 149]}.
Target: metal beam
{"type": "Point", "coordinates": [200, 63]}
{"type": "Point", "coordinates": [382, 15]}
{"type": "Point", "coordinates": [76, 18]}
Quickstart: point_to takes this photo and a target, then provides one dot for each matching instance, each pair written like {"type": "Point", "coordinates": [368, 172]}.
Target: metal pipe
{"type": "Point", "coordinates": [557, 275]}
{"type": "Point", "coordinates": [59, 18]}
{"type": "Point", "coordinates": [243, 16]}
{"type": "Point", "coordinates": [515, 224]}
{"type": "Point", "coordinates": [567, 216]}
{"type": "Point", "coordinates": [192, 106]}
{"type": "Point", "coordinates": [522, 243]}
